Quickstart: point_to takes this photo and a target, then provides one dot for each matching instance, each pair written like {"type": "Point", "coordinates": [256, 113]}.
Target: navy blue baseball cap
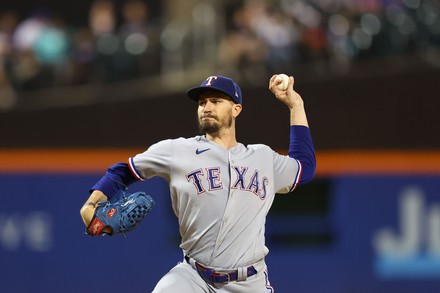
{"type": "Point", "coordinates": [220, 84]}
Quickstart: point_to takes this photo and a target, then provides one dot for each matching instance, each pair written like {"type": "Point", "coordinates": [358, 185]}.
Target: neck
{"type": "Point", "coordinates": [225, 138]}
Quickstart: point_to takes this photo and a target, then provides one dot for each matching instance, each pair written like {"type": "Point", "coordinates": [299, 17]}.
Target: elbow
{"type": "Point", "coordinates": [308, 170]}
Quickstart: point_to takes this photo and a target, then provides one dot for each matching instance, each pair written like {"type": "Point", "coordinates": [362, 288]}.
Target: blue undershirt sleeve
{"type": "Point", "coordinates": [118, 176]}
{"type": "Point", "coordinates": [301, 148]}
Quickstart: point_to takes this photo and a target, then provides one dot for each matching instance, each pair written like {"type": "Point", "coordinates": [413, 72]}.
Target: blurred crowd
{"type": "Point", "coordinates": [42, 50]}
{"type": "Point", "coordinates": [328, 35]}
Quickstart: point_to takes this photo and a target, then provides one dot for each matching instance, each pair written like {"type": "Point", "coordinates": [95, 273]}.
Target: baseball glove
{"type": "Point", "coordinates": [121, 214]}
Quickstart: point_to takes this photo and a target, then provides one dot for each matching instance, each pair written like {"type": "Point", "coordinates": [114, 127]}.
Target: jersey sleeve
{"type": "Point", "coordinates": [287, 173]}
{"type": "Point", "coordinates": [118, 176]}
{"type": "Point", "coordinates": [155, 161]}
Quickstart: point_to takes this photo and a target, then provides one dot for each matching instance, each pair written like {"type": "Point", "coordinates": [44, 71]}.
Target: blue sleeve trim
{"type": "Point", "coordinates": [301, 148]}
{"type": "Point", "coordinates": [117, 177]}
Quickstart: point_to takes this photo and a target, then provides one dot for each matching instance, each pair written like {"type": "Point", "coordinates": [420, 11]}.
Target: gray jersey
{"type": "Point", "coordinates": [221, 197]}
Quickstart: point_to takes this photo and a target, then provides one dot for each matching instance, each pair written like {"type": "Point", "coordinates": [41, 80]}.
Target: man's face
{"type": "Point", "coordinates": [215, 112]}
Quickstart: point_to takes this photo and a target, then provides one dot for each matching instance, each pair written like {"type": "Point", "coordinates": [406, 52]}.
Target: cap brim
{"type": "Point", "coordinates": [195, 92]}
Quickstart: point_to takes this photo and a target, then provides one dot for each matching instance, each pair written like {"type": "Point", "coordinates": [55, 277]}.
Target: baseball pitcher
{"type": "Point", "coordinates": [221, 191]}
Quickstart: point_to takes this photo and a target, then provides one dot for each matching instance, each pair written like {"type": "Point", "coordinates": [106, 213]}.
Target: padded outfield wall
{"type": "Point", "coordinates": [370, 222]}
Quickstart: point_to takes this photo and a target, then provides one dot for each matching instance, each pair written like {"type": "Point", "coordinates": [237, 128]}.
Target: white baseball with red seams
{"type": "Point", "coordinates": [284, 83]}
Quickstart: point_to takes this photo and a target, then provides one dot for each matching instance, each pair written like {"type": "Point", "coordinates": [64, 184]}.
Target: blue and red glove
{"type": "Point", "coordinates": [121, 214]}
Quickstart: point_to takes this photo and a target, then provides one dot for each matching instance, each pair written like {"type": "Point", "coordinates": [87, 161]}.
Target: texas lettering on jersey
{"type": "Point", "coordinates": [254, 183]}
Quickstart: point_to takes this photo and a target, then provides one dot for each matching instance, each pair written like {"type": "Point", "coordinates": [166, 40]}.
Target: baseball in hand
{"type": "Point", "coordinates": [285, 81]}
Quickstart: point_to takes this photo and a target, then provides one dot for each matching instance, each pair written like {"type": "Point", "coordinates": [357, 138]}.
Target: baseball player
{"type": "Point", "coordinates": [221, 190]}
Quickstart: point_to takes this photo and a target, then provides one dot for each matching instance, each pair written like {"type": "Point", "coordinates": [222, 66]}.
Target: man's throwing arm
{"type": "Point", "coordinates": [301, 148]}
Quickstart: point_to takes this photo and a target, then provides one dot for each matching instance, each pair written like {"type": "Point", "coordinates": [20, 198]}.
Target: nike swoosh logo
{"type": "Point", "coordinates": [198, 152]}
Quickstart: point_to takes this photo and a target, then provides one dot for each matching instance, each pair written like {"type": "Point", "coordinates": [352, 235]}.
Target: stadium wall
{"type": "Point", "coordinates": [368, 224]}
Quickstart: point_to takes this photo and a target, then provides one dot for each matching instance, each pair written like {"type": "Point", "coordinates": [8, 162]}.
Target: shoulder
{"type": "Point", "coordinates": [264, 150]}
{"type": "Point", "coordinates": [182, 141]}
{"type": "Point", "coordinates": [173, 143]}
{"type": "Point", "coordinates": [178, 140]}
{"type": "Point", "coordinates": [258, 147]}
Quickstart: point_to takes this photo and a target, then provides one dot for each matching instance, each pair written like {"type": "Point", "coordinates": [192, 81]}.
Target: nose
{"type": "Point", "coordinates": [207, 107]}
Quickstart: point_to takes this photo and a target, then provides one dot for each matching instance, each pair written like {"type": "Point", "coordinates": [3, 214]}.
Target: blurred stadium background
{"type": "Point", "coordinates": [84, 84]}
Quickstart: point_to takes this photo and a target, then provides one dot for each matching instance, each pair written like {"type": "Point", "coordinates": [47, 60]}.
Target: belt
{"type": "Point", "coordinates": [224, 277]}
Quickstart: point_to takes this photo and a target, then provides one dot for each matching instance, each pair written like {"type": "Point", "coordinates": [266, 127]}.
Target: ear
{"type": "Point", "coordinates": [236, 110]}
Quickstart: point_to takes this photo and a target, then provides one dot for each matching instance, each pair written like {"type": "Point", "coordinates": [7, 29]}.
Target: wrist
{"type": "Point", "coordinates": [97, 196]}
{"type": "Point", "coordinates": [296, 104]}
{"type": "Point", "coordinates": [89, 203]}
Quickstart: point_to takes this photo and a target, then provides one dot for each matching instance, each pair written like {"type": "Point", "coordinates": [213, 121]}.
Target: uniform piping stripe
{"type": "Point", "coordinates": [268, 286]}
{"type": "Point", "coordinates": [133, 169]}
{"type": "Point", "coordinates": [298, 176]}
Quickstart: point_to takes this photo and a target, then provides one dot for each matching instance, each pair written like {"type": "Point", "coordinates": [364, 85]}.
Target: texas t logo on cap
{"type": "Point", "coordinates": [209, 79]}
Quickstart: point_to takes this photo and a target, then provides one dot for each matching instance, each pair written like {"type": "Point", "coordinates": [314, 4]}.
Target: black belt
{"type": "Point", "coordinates": [213, 276]}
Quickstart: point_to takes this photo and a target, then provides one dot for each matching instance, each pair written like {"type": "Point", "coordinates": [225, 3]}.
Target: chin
{"type": "Point", "coordinates": [208, 128]}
